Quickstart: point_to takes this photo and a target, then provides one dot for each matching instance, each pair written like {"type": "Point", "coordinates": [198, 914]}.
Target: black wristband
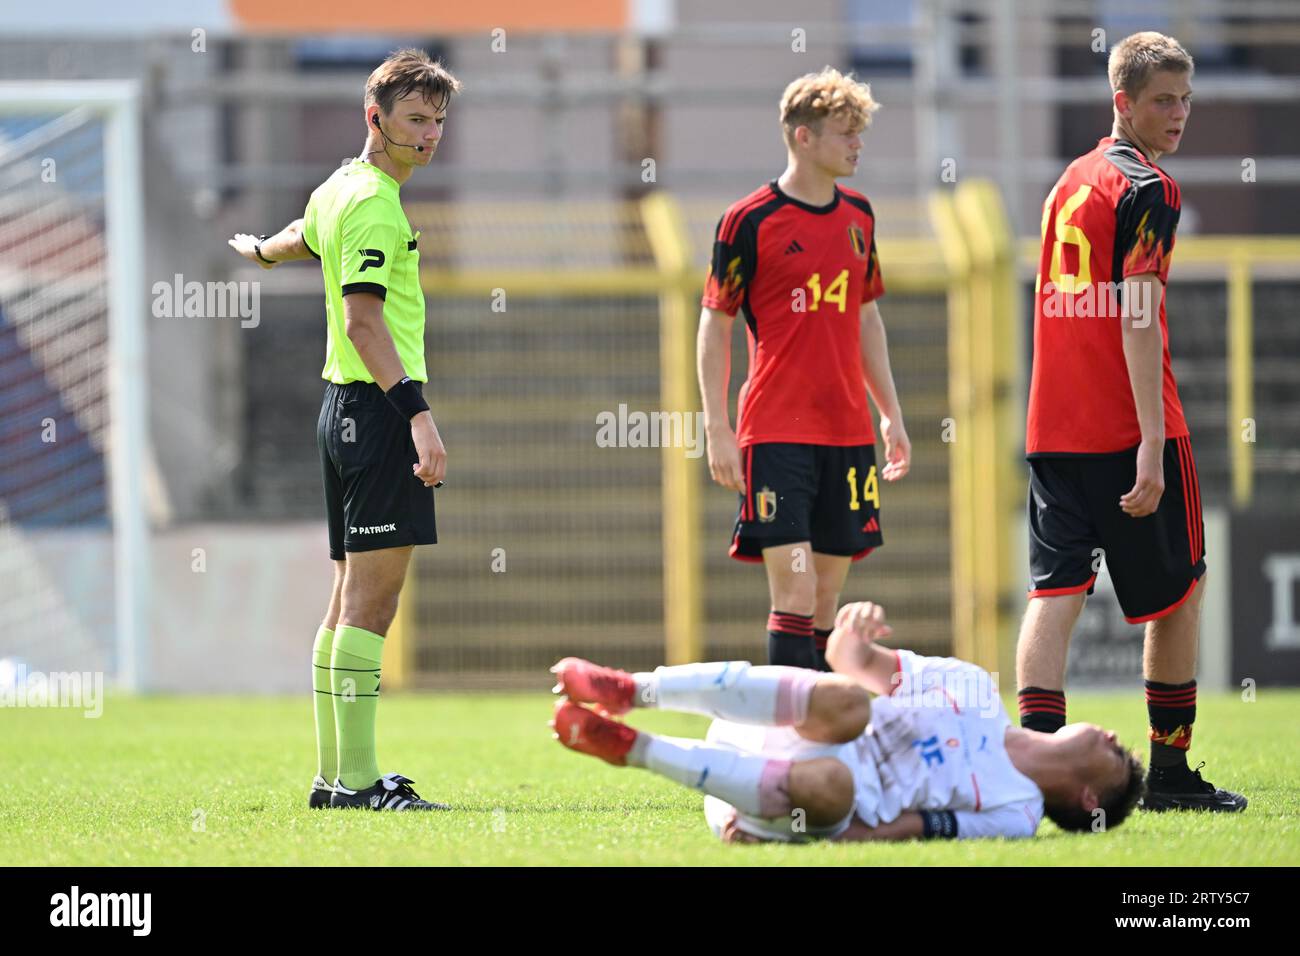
{"type": "Point", "coordinates": [940, 824]}
{"type": "Point", "coordinates": [257, 248]}
{"type": "Point", "coordinates": [407, 398]}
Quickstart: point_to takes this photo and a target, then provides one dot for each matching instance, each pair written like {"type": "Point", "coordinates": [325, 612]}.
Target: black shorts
{"type": "Point", "coordinates": [828, 495]}
{"type": "Point", "coordinates": [372, 499]}
{"type": "Point", "coordinates": [1075, 518]}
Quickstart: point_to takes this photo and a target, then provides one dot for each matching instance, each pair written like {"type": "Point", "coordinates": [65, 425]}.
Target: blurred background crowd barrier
{"type": "Point", "coordinates": [159, 485]}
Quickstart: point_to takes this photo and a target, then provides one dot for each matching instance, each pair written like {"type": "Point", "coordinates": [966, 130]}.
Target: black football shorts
{"type": "Point", "coordinates": [1075, 519]}
{"type": "Point", "coordinates": [828, 495]}
{"type": "Point", "coordinates": [372, 498]}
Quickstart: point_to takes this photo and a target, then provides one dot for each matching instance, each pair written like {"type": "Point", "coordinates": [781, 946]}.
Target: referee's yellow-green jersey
{"type": "Point", "coordinates": [355, 226]}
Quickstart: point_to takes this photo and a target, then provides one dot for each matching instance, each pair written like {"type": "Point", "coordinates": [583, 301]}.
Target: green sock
{"type": "Point", "coordinates": [327, 746]}
{"type": "Point", "coordinates": [354, 677]}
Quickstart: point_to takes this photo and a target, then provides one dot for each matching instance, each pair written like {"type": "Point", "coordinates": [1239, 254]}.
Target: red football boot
{"type": "Point", "coordinates": [588, 683]}
{"type": "Point", "coordinates": [587, 732]}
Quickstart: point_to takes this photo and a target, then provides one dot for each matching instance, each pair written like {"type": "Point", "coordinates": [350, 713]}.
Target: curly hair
{"type": "Point", "coordinates": [1134, 59]}
{"type": "Point", "coordinates": [1115, 806]}
{"type": "Point", "coordinates": [813, 97]}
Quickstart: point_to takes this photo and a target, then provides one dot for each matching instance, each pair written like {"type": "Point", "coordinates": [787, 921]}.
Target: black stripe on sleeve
{"type": "Point", "coordinates": [310, 249]}
{"type": "Point", "coordinates": [374, 288]}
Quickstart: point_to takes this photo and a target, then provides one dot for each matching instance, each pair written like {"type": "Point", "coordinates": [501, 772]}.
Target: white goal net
{"type": "Point", "coordinates": [74, 570]}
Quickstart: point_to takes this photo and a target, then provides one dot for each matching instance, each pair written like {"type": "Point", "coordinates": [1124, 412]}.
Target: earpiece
{"type": "Point", "coordinates": [375, 119]}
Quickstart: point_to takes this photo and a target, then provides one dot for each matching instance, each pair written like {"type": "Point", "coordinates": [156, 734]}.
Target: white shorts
{"type": "Point", "coordinates": [782, 743]}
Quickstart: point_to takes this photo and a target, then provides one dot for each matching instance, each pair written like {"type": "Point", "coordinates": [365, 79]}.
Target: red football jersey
{"type": "Point", "coordinates": [801, 273]}
{"type": "Point", "coordinates": [1112, 214]}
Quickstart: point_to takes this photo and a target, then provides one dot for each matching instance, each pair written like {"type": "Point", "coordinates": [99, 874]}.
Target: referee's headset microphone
{"type": "Point", "coordinates": [375, 120]}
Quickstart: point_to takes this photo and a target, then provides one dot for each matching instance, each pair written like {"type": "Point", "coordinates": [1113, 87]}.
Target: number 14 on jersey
{"type": "Point", "coordinates": [837, 292]}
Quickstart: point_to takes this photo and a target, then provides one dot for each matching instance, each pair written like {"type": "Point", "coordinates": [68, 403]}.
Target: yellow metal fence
{"type": "Point", "coordinates": [639, 267]}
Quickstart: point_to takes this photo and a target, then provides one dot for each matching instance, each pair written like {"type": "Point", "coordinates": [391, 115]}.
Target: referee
{"type": "Point", "coordinates": [380, 451]}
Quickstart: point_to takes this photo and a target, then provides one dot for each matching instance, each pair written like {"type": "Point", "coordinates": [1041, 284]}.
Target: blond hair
{"type": "Point", "coordinates": [813, 97]}
{"type": "Point", "coordinates": [1134, 59]}
{"type": "Point", "coordinates": [407, 71]}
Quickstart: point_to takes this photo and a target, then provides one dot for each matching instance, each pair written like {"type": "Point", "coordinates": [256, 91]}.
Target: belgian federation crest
{"type": "Point", "coordinates": [765, 505]}
{"type": "Point", "coordinates": [858, 240]}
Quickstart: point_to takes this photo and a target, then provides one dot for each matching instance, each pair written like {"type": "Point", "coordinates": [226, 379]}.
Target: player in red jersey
{"type": "Point", "coordinates": [799, 256]}
{"type": "Point", "coordinates": [1111, 468]}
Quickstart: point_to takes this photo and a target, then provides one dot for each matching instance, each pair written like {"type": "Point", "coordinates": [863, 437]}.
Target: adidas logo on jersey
{"type": "Point", "coordinates": [793, 247]}
{"type": "Point", "coordinates": [871, 525]}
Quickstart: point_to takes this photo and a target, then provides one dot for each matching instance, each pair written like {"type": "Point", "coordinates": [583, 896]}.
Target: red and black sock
{"type": "Point", "coordinates": [820, 636]}
{"type": "Point", "coordinates": [1042, 710]}
{"type": "Point", "coordinates": [790, 639]}
{"type": "Point", "coordinates": [1171, 710]}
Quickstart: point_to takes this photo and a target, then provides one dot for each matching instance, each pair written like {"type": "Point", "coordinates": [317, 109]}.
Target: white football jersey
{"type": "Point", "coordinates": [936, 743]}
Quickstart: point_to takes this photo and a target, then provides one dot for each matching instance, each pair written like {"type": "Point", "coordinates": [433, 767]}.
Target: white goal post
{"type": "Point", "coordinates": [103, 387]}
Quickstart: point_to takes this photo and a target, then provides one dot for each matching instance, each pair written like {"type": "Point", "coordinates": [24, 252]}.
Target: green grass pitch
{"type": "Point", "coordinates": [223, 781]}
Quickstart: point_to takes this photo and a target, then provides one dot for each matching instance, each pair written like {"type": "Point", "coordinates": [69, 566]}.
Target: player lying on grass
{"type": "Point", "coordinates": [795, 754]}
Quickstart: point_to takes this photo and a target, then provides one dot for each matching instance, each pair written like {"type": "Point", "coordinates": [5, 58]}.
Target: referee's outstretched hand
{"type": "Point", "coordinates": [432, 467]}
{"type": "Point", "coordinates": [246, 246]}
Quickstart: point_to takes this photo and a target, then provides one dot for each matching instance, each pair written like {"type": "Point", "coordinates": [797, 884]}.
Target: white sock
{"type": "Point", "coordinates": [732, 690]}
{"type": "Point", "coordinates": [753, 784]}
